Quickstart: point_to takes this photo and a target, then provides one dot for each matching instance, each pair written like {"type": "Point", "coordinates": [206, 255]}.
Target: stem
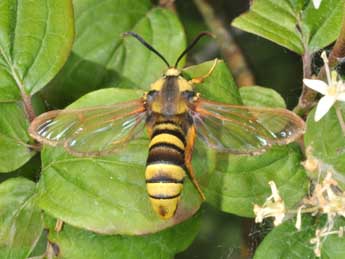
{"type": "Point", "coordinates": [307, 210]}
{"type": "Point", "coordinates": [29, 111]}
{"type": "Point", "coordinates": [229, 49]}
{"type": "Point", "coordinates": [306, 100]}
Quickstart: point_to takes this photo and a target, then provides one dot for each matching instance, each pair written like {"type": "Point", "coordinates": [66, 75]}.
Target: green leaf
{"type": "Point", "coordinates": [296, 25]}
{"type": "Point", "coordinates": [326, 139]}
{"type": "Point", "coordinates": [237, 182]}
{"type": "Point", "coordinates": [14, 139]}
{"type": "Point", "coordinates": [164, 244]}
{"type": "Point", "coordinates": [285, 241]}
{"type": "Point", "coordinates": [261, 97]}
{"type": "Point", "coordinates": [320, 27]}
{"type": "Point", "coordinates": [21, 221]}
{"type": "Point", "coordinates": [35, 41]}
{"type": "Point", "coordinates": [116, 60]}
{"type": "Point", "coordinates": [102, 185]}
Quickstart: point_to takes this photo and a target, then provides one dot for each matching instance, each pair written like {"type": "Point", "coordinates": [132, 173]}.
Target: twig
{"type": "Point", "coordinates": [306, 100]}
{"type": "Point", "coordinates": [230, 51]}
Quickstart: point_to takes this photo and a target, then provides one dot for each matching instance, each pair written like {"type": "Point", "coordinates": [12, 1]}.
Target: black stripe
{"type": "Point", "coordinates": [164, 197]}
{"type": "Point", "coordinates": [175, 133]}
{"type": "Point", "coordinates": [168, 146]}
{"type": "Point", "coordinates": [164, 179]}
{"type": "Point", "coordinates": [165, 158]}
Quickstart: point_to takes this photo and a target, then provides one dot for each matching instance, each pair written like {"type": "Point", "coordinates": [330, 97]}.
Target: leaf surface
{"type": "Point", "coordinates": [14, 139]}
{"type": "Point", "coordinates": [21, 221]}
{"type": "Point", "coordinates": [164, 244]}
{"type": "Point", "coordinates": [35, 40]}
{"type": "Point", "coordinates": [296, 25]}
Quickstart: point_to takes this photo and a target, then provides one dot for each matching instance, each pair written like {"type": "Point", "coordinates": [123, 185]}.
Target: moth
{"type": "Point", "coordinates": [174, 114]}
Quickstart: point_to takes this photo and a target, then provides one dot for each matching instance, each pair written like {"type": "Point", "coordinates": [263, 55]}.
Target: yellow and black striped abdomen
{"type": "Point", "coordinates": [165, 167]}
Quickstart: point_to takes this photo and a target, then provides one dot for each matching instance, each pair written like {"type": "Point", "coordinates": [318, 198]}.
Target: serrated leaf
{"type": "Point", "coordinates": [14, 139]}
{"type": "Point", "coordinates": [102, 185]}
{"type": "Point", "coordinates": [285, 241]}
{"type": "Point", "coordinates": [326, 139]}
{"type": "Point", "coordinates": [21, 221]}
{"type": "Point", "coordinates": [116, 60]}
{"type": "Point", "coordinates": [296, 25]}
{"type": "Point", "coordinates": [164, 244]}
{"type": "Point", "coordinates": [35, 41]}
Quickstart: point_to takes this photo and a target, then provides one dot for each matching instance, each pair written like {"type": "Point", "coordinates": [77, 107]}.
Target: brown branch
{"type": "Point", "coordinates": [228, 47]}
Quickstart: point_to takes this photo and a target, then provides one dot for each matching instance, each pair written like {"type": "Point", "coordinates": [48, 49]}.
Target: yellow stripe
{"type": "Point", "coordinates": [171, 171]}
{"type": "Point", "coordinates": [167, 189]}
{"type": "Point", "coordinates": [168, 126]}
{"type": "Point", "coordinates": [167, 138]}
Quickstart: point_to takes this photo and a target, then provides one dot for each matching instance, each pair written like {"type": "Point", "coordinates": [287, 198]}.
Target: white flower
{"type": "Point", "coordinates": [273, 207]}
{"type": "Point", "coordinates": [333, 91]}
{"type": "Point", "coordinates": [317, 3]}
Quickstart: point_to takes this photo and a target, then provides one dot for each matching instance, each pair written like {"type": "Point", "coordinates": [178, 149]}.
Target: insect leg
{"type": "Point", "coordinates": [200, 79]}
{"type": "Point", "coordinates": [188, 160]}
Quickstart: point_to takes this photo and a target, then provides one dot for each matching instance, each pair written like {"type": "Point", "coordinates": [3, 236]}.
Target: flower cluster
{"type": "Point", "coordinates": [327, 198]}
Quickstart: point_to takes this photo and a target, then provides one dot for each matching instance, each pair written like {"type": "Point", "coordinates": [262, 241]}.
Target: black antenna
{"type": "Point", "coordinates": [196, 39]}
{"type": "Point", "coordinates": [142, 41]}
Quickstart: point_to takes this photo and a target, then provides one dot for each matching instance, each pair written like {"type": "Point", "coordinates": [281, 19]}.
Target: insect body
{"type": "Point", "coordinates": [174, 115]}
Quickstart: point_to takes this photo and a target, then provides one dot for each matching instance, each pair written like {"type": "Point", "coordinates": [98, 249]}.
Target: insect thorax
{"type": "Point", "coordinates": [170, 95]}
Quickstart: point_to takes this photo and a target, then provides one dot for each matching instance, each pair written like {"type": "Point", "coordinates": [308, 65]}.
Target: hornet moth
{"type": "Point", "coordinates": [174, 114]}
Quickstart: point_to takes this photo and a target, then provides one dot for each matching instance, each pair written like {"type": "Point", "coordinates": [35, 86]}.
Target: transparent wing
{"type": "Point", "coordinates": [93, 131]}
{"type": "Point", "coordinates": [242, 129]}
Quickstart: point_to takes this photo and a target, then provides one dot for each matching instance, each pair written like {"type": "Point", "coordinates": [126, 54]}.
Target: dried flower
{"type": "Point", "coordinates": [273, 207]}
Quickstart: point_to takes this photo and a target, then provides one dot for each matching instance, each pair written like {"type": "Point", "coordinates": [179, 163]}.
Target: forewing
{"type": "Point", "coordinates": [91, 131]}
{"type": "Point", "coordinates": [242, 129]}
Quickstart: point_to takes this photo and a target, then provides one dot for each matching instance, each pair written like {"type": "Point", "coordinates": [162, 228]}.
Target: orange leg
{"type": "Point", "coordinates": [200, 79]}
{"type": "Point", "coordinates": [188, 160]}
